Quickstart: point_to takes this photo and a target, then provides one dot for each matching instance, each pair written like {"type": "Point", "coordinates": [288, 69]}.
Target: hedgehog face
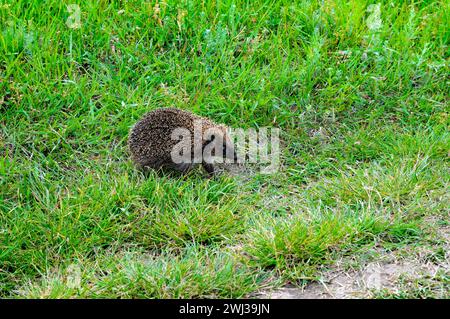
{"type": "Point", "coordinates": [228, 150]}
{"type": "Point", "coordinates": [219, 144]}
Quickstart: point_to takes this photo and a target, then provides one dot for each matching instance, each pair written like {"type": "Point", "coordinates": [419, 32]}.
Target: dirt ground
{"type": "Point", "coordinates": [391, 273]}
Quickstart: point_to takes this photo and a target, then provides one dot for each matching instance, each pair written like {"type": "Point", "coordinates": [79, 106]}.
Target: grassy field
{"type": "Point", "coordinates": [359, 91]}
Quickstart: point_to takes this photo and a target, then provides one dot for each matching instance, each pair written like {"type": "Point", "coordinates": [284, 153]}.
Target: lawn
{"type": "Point", "coordinates": [358, 89]}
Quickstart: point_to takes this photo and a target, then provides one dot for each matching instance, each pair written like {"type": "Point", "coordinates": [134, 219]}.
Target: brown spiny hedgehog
{"type": "Point", "coordinates": [169, 137]}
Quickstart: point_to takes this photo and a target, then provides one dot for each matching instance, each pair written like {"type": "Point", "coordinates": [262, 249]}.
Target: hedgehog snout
{"type": "Point", "coordinates": [229, 152]}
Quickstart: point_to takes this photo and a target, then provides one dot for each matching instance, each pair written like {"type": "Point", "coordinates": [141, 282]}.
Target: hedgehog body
{"type": "Point", "coordinates": [151, 141]}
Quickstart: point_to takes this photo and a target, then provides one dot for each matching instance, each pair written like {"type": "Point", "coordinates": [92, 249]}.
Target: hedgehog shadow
{"type": "Point", "coordinates": [222, 170]}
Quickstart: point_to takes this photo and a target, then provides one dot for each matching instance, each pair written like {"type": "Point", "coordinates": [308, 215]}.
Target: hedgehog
{"type": "Point", "coordinates": [178, 139]}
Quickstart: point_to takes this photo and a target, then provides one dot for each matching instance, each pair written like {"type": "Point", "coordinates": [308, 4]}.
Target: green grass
{"type": "Point", "coordinates": [364, 120]}
{"type": "Point", "coordinates": [426, 287]}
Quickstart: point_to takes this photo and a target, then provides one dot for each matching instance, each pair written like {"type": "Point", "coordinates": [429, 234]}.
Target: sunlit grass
{"type": "Point", "coordinates": [363, 112]}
